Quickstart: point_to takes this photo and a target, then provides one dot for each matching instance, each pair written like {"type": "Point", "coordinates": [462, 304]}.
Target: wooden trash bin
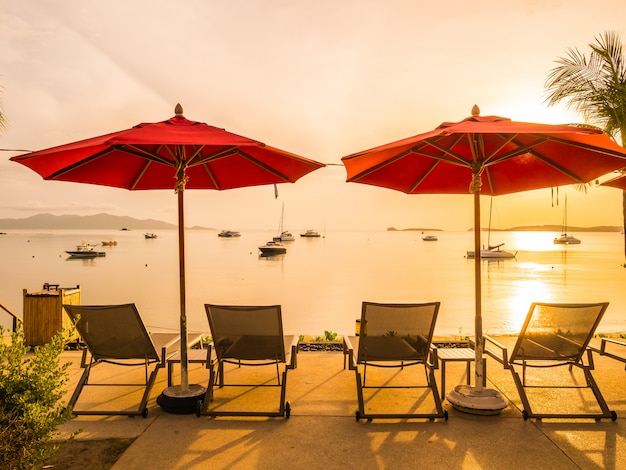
{"type": "Point", "coordinates": [44, 314]}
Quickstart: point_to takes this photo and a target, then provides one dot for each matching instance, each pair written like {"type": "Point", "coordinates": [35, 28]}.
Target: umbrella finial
{"type": "Point", "coordinates": [475, 110]}
{"type": "Point", "coordinates": [178, 110]}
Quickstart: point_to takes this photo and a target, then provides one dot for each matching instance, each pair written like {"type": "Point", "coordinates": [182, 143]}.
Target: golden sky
{"type": "Point", "coordinates": [321, 79]}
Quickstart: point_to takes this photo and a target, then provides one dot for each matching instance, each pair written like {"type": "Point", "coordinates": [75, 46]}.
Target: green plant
{"type": "Point", "coordinates": [330, 336]}
{"type": "Point", "coordinates": [318, 339]}
{"type": "Point", "coordinates": [31, 388]}
{"type": "Point", "coordinates": [301, 338]}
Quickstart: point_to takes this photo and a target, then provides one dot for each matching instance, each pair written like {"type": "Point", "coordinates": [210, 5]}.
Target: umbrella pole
{"type": "Point", "coordinates": [184, 374]}
{"type": "Point", "coordinates": [478, 318]}
{"type": "Point", "coordinates": [183, 398]}
{"type": "Point", "coordinates": [477, 399]}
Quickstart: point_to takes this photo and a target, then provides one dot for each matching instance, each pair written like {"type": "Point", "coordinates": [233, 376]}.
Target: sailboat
{"type": "Point", "coordinates": [492, 251]}
{"type": "Point", "coordinates": [285, 235]}
{"type": "Point", "coordinates": [566, 239]}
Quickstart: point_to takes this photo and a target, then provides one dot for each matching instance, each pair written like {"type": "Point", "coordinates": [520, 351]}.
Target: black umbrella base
{"type": "Point", "coordinates": [178, 401]}
{"type": "Point", "coordinates": [479, 401]}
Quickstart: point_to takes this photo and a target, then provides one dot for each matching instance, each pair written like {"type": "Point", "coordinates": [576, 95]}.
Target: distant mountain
{"type": "Point", "coordinates": [558, 228]}
{"type": "Point", "coordinates": [393, 229]}
{"type": "Point", "coordinates": [98, 221]}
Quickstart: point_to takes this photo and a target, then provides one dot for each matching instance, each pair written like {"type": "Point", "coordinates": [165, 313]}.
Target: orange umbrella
{"type": "Point", "coordinates": [488, 155]}
{"type": "Point", "coordinates": [618, 182]}
{"type": "Point", "coordinates": [174, 154]}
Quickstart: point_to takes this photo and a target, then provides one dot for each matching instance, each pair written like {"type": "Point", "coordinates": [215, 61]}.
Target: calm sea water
{"type": "Point", "coordinates": [321, 282]}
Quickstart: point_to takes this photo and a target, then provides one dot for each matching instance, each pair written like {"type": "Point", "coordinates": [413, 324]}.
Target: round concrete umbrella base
{"type": "Point", "coordinates": [483, 401]}
{"type": "Point", "coordinates": [178, 401]}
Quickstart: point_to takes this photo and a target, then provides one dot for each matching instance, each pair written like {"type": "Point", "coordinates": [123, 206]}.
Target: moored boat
{"type": "Point", "coordinates": [493, 252]}
{"type": "Point", "coordinates": [286, 236]}
{"type": "Point", "coordinates": [310, 234]}
{"type": "Point", "coordinates": [109, 243]}
{"type": "Point", "coordinates": [229, 234]}
{"type": "Point", "coordinates": [149, 235]}
{"type": "Point", "coordinates": [85, 250]}
{"type": "Point", "coordinates": [430, 238]}
{"type": "Point", "coordinates": [565, 238]}
{"type": "Point", "coordinates": [273, 247]}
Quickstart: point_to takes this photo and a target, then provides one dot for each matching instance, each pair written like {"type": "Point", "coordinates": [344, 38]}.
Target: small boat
{"type": "Point", "coordinates": [85, 250]}
{"type": "Point", "coordinates": [286, 236]}
{"type": "Point", "coordinates": [109, 243]}
{"type": "Point", "coordinates": [493, 252]}
{"type": "Point", "coordinates": [430, 238]}
{"type": "Point", "coordinates": [310, 234]}
{"type": "Point", "coordinates": [229, 234]}
{"type": "Point", "coordinates": [273, 247]}
{"type": "Point", "coordinates": [149, 235]}
{"type": "Point", "coordinates": [566, 239]}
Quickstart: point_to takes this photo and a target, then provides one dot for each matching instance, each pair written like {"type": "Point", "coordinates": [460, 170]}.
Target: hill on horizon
{"type": "Point", "coordinates": [524, 228]}
{"type": "Point", "coordinates": [98, 221]}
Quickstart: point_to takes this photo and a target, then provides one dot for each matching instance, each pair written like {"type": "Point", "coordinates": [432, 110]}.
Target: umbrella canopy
{"type": "Point", "coordinates": [488, 155]}
{"type": "Point", "coordinates": [618, 182]}
{"type": "Point", "coordinates": [174, 154]}
{"type": "Point", "coordinates": [166, 154]}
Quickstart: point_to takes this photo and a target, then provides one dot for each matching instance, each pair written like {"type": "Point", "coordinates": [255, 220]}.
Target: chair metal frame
{"type": "Point", "coordinates": [542, 356]}
{"type": "Point", "coordinates": [248, 349]}
{"type": "Point", "coordinates": [150, 358]}
{"type": "Point", "coordinates": [357, 356]}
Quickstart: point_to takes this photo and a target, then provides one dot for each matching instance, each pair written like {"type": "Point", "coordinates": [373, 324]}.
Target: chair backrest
{"type": "Point", "coordinates": [391, 332]}
{"type": "Point", "coordinates": [247, 332]}
{"type": "Point", "coordinates": [557, 332]}
{"type": "Point", "coordinates": [113, 331]}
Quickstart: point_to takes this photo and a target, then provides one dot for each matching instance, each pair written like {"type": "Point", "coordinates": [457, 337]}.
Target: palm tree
{"type": "Point", "coordinates": [594, 86]}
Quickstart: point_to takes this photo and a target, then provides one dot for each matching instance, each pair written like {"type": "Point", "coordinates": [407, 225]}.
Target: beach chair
{"type": "Point", "coordinates": [115, 334]}
{"type": "Point", "coordinates": [248, 336]}
{"type": "Point", "coordinates": [395, 336]}
{"type": "Point", "coordinates": [555, 335]}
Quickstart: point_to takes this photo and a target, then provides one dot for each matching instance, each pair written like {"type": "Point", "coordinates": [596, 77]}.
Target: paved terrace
{"type": "Point", "coordinates": [323, 433]}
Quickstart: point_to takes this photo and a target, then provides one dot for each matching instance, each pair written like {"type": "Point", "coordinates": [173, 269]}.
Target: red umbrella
{"type": "Point", "coordinates": [618, 182]}
{"type": "Point", "coordinates": [175, 154]}
{"type": "Point", "coordinates": [488, 155]}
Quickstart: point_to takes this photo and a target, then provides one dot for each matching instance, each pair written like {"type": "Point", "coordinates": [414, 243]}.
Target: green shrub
{"type": "Point", "coordinates": [330, 336]}
{"type": "Point", "coordinates": [31, 388]}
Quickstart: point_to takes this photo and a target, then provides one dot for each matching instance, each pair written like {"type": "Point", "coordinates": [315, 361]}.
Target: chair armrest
{"type": "Point", "coordinates": [348, 353]}
{"type": "Point", "coordinates": [502, 357]}
{"type": "Point", "coordinates": [612, 355]}
{"type": "Point", "coordinates": [293, 353]}
{"type": "Point", "coordinates": [433, 357]}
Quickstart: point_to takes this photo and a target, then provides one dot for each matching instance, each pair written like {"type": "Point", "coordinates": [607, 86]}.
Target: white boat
{"type": "Point", "coordinates": [229, 234]}
{"type": "Point", "coordinates": [149, 235]}
{"type": "Point", "coordinates": [430, 238]}
{"type": "Point", "coordinates": [284, 235]}
{"type": "Point", "coordinates": [492, 251]}
{"type": "Point", "coordinates": [273, 247]}
{"type": "Point", "coordinates": [310, 234]}
{"type": "Point", "coordinates": [85, 250]}
{"type": "Point", "coordinates": [565, 238]}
